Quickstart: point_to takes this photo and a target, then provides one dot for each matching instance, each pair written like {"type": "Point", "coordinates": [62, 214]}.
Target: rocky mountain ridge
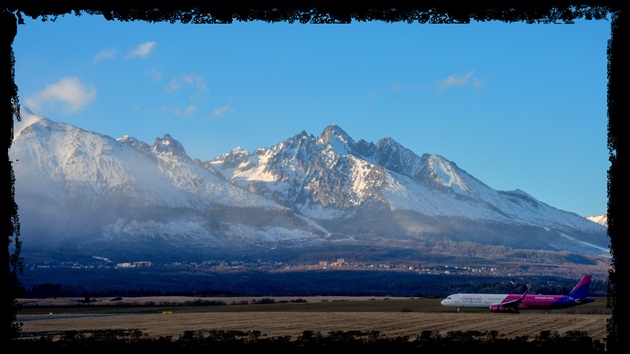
{"type": "Point", "coordinates": [83, 193]}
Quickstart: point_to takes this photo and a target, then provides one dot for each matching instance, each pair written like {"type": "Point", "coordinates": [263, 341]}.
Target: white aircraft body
{"type": "Point", "coordinates": [516, 302]}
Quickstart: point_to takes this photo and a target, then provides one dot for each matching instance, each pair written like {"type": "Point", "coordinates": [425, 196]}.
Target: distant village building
{"type": "Point", "coordinates": [136, 264]}
{"type": "Point", "coordinates": [338, 263]}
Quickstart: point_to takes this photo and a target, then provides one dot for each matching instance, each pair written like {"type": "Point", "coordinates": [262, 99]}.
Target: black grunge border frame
{"type": "Point", "coordinates": [12, 12]}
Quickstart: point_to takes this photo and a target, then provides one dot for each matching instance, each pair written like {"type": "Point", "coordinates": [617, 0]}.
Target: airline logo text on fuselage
{"type": "Point", "coordinates": [471, 299]}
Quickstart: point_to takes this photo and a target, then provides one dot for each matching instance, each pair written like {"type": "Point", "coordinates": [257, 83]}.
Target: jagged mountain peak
{"type": "Point", "coordinates": [235, 157]}
{"type": "Point", "coordinates": [131, 141]}
{"type": "Point", "coordinates": [27, 118]}
{"type": "Point", "coordinates": [397, 158]}
{"type": "Point", "coordinates": [333, 128]}
{"type": "Point", "coordinates": [302, 135]}
{"type": "Point", "coordinates": [387, 141]}
{"type": "Point", "coordinates": [30, 121]}
{"type": "Point", "coordinates": [236, 154]}
{"type": "Point", "coordinates": [428, 168]}
{"type": "Point", "coordinates": [445, 172]}
{"type": "Point", "coordinates": [336, 139]}
{"type": "Point", "coordinates": [238, 151]}
{"type": "Point", "coordinates": [295, 143]}
{"type": "Point", "coordinates": [167, 145]}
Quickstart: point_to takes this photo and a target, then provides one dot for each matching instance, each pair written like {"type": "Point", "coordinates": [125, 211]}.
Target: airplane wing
{"type": "Point", "coordinates": [512, 305]}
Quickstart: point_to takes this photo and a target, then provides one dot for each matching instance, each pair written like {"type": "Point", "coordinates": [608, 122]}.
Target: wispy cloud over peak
{"type": "Point", "coordinates": [222, 111]}
{"type": "Point", "coordinates": [108, 53]}
{"type": "Point", "coordinates": [143, 50]}
{"type": "Point", "coordinates": [460, 81]}
{"type": "Point", "coordinates": [185, 79]}
{"type": "Point", "coordinates": [68, 92]}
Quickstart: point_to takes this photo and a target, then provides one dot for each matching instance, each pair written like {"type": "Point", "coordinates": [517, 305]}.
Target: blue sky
{"type": "Point", "coordinates": [517, 106]}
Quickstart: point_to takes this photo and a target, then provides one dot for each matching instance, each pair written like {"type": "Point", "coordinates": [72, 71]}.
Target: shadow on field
{"type": "Point", "coordinates": [123, 341]}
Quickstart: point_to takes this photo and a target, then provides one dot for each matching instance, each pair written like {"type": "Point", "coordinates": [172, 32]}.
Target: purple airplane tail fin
{"type": "Point", "coordinates": [580, 291]}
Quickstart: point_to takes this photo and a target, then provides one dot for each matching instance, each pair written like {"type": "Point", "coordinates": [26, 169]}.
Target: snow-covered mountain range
{"type": "Point", "coordinates": [83, 192]}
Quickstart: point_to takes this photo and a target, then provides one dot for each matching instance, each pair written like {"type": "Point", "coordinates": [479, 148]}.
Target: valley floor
{"type": "Point", "coordinates": [391, 317]}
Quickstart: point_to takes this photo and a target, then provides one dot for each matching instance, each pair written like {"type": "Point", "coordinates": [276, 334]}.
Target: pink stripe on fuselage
{"type": "Point", "coordinates": [534, 301]}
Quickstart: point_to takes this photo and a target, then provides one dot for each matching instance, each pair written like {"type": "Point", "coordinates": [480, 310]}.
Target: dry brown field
{"type": "Point", "coordinates": [391, 317]}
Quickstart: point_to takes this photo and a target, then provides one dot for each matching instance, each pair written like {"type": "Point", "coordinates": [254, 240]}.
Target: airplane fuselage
{"type": "Point", "coordinates": [494, 301]}
{"type": "Point", "coordinates": [516, 302]}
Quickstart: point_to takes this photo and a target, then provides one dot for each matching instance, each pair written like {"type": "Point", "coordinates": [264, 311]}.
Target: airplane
{"type": "Point", "coordinates": [515, 302]}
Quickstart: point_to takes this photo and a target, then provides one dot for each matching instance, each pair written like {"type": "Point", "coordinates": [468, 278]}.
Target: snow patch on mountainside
{"type": "Point", "coordinates": [587, 244]}
{"type": "Point", "coordinates": [600, 219]}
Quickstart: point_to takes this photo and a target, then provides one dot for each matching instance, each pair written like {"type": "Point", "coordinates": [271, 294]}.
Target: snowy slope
{"type": "Point", "coordinates": [78, 189]}
{"type": "Point", "coordinates": [332, 177]}
{"type": "Point", "coordinates": [74, 185]}
{"type": "Point", "coordinates": [600, 219]}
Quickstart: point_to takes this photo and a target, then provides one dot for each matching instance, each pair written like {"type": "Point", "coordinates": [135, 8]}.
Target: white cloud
{"type": "Point", "coordinates": [142, 50]}
{"type": "Point", "coordinates": [221, 111]}
{"type": "Point", "coordinates": [461, 81]}
{"type": "Point", "coordinates": [68, 92]}
{"type": "Point", "coordinates": [185, 79]}
{"type": "Point", "coordinates": [109, 53]}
